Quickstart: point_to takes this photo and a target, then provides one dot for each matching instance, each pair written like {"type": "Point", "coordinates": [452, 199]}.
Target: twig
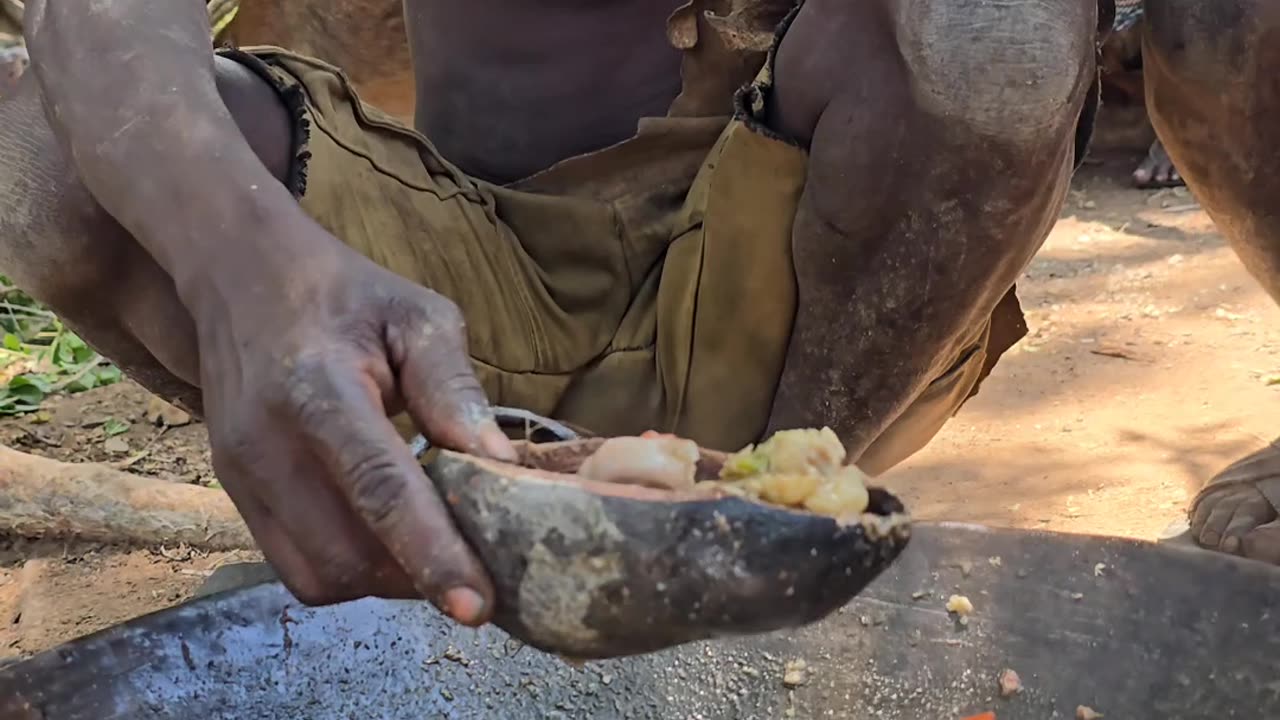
{"type": "Point", "coordinates": [27, 310]}
{"type": "Point", "coordinates": [145, 451]}
{"type": "Point", "coordinates": [1118, 354]}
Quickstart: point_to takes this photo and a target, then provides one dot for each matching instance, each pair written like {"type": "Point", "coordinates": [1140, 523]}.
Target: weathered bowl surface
{"type": "Point", "coordinates": [594, 570]}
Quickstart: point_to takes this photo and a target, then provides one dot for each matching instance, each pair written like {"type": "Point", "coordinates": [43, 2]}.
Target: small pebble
{"type": "Point", "coordinates": [1010, 683]}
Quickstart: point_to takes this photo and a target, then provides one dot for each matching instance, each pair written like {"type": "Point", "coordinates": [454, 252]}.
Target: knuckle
{"type": "Point", "coordinates": [378, 490]}
{"type": "Point", "coordinates": [431, 311]}
{"type": "Point", "coordinates": [307, 389]}
{"type": "Point", "coordinates": [462, 385]}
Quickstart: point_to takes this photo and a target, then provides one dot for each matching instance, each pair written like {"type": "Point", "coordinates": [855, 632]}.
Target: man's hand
{"type": "Point", "coordinates": [300, 371]}
{"type": "Point", "coordinates": [305, 347]}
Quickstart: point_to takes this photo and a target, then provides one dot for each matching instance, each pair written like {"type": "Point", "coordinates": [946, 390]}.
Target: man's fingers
{"type": "Point", "coordinates": [339, 411]}
{"type": "Point", "coordinates": [439, 386]}
{"type": "Point", "coordinates": [295, 571]}
{"type": "Point", "coordinates": [346, 559]}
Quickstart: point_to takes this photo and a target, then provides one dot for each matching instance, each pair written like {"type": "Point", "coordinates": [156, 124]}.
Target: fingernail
{"type": "Point", "coordinates": [1231, 544]}
{"type": "Point", "coordinates": [495, 443]}
{"type": "Point", "coordinates": [464, 605]}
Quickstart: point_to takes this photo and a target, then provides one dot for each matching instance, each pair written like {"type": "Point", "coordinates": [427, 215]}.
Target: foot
{"type": "Point", "coordinates": [1236, 511]}
{"type": "Point", "coordinates": [1157, 171]}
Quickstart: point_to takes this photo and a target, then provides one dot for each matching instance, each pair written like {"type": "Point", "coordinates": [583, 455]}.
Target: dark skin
{"type": "Point", "coordinates": [936, 171]}
{"type": "Point", "coordinates": [1121, 60]}
{"type": "Point", "coordinates": [1210, 71]}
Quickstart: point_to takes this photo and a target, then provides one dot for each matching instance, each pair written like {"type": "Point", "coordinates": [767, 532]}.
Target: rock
{"type": "Point", "coordinates": [116, 445]}
{"type": "Point", "coordinates": [1010, 683]}
{"type": "Point", "coordinates": [162, 414]}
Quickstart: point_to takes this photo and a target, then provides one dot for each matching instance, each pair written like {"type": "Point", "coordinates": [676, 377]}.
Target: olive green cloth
{"type": "Point", "coordinates": [648, 285]}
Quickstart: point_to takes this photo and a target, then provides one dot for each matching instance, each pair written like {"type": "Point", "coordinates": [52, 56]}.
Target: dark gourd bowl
{"type": "Point", "coordinates": [594, 570]}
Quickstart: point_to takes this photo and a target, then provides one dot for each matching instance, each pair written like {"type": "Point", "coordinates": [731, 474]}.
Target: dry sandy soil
{"type": "Point", "coordinates": [1148, 368]}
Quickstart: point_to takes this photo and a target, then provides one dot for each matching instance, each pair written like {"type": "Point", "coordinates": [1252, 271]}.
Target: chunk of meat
{"type": "Point", "coordinates": [659, 462]}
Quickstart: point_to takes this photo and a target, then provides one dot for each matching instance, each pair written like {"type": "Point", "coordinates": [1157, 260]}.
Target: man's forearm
{"type": "Point", "coordinates": [129, 87]}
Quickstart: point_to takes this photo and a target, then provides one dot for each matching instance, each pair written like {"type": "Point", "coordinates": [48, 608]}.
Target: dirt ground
{"type": "Point", "coordinates": [1153, 360]}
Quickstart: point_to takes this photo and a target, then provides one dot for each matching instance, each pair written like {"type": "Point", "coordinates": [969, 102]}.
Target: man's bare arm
{"type": "Point", "coordinates": [305, 347]}
{"type": "Point", "coordinates": [129, 87]}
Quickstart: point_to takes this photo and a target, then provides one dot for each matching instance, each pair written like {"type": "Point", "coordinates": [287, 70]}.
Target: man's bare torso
{"type": "Point", "coordinates": [508, 87]}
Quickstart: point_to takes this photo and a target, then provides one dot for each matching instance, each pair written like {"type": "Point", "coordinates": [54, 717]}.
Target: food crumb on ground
{"type": "Point", "coordinates": [795, 673]}
{"type": "Point", "coordinates": [1084, 712]}
{"type": "Point", "coordinates": [960, 605]}
{"type": "Point", "coordinates": [995, 561]}
{"type": "Point", "coordinates": [1099, 569]}
{"type": "Point", "coordinates": [1010, 683]}
{"type": "Point", "coordinates": [981, 716]}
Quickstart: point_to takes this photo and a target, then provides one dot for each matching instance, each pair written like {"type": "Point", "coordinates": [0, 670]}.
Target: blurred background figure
{"type": "Point", "coordinates": [1124, 99]}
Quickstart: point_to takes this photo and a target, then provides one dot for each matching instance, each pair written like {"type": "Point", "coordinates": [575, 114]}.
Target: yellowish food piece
{"type": "Point", "coordinates": [662, 462]}
{"type": "Point", "coordinates": [800, 469]}
{"type": "Point", "coordinates": [795, 673]}
{"type": "Point", "coordinates": [960, 605]}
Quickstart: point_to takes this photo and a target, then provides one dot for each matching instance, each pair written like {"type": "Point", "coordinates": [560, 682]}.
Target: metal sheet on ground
{"type": "Point", "coordinates": [1131, 630]}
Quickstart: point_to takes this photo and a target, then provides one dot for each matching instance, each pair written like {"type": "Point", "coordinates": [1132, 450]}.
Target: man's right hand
{"type": "Point", "coordinates": [300, 366]}
{"type": "Point", "coordinates": [305, 347]}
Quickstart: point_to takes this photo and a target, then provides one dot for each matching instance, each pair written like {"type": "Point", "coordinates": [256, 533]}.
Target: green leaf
{"type": "Point", "coordinates": [28, 390]}
{"type": "Point", "coordinates": [23, 399]}
{"type": "Point", "coordinates": [65, 355]}
{"type": "Point", "coordinates": [11, 342]}
{"type": "Point", "coordinates": [40, 382]}
{"type": "Point", "coordinates": [108, 374]}
{"type": "Point", "coordinates": [88, 381]}
{"type": "Point", "coordinates": [80, 353]}
{"type": "Point", "coordinates": [113, 427]}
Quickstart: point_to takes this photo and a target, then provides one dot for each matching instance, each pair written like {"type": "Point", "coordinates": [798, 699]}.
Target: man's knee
{"type": "Point", "coordinates": [1016, 72]}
